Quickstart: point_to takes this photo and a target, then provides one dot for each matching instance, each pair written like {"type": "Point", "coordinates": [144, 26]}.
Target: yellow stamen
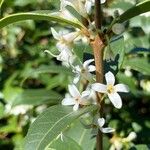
{"type": "Point", "coordinates": [110, 88]}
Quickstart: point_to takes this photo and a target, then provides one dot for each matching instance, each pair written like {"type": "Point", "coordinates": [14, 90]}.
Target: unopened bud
{"type": "Point", "coordinates": [118, 28]}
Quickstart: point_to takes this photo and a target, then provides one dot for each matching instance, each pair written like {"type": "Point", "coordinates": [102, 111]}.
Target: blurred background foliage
{"type": "Point", "coordinates": [31, 80]}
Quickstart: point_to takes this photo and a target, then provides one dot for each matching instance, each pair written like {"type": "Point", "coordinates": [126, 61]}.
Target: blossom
{"type": "Point", "coordinates": [101, 122]}
{"type": "Point", "coordinates": [76, 98]}
{"type": "Point", "coordinates": [84, 71]}
{"type": "Point", "coordinates": [111, 90]}
{"type": "Point", "coordinates": [64, 45]}
{"type": "Point", "coordinates": [78, 5]}
{"type": "Point", "coordinates": [65, 40]}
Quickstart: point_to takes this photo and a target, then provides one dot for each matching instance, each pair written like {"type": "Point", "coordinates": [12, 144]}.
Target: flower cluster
{"type": "Point", "coordinates": [82, 90]}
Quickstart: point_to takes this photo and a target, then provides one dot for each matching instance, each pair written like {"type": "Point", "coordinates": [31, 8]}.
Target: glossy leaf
{"type": "Point", "coordinates": [37, 15]}
{"type": "Point", "coordinates": [135, 11]}
{"type": "Point", "coordinates": [36, 97]}
{"type": "Point", "coordinates": [50, 124]}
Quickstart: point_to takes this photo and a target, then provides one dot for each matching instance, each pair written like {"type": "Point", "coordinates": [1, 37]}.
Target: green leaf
{"type": "Point", "coordinates": [1, 2]}
{"type": "Point", "coordinates": [50, 124]}
{"type": "Point", "coordinates": [47, 69]}
{"type": "Point", "coordinates": [139, 64]}
{"type": "Point", "coordinates": [37, 15]}
{"type": "Point", "coordinates": [118, 49]}
{"type": "Point", "coordinates": [66, 144]}
{"type": "Point", "coordinates": [37, 97]}
{"type": "Point", "coordinates": [83, 137]}
{"type": "Point", "coordinates": [135, 11]}
{"type": "Point", "coordinates": [140, 147]}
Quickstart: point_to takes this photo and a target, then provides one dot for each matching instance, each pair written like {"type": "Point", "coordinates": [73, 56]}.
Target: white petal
{"type": "Point", "coordinates": [110, 78]}
{"type": "Point", "coordinates": [87, 62]}
{"type": "Point", "coordinates": [91, 68]}
{"type": "Point", "coordinates": [107, 130]}
{"type": "Point", "coordinates": [88, 6]}
{"type": "Point", "coordinates": [76, 79]}
{"type": "Point", "coordinates": [85, 94]}
{"type": "Point", "coordinates": [74, 91]}
{"type": "Point", "coordinates": [67, 15]}
{"type": "Point", "coordinates": [76, 107]}
{"type": "Point", "coordinates": [99, 87]}
{"type": "Point", "coordinates": [103, 1]}
{"type": "Point", "coordinates": [68, 101]}
{"type": "Point", "coordinates": [122, 88]}
{"type": "Point", "coordinates": [70, 36]}
{"type": "Point", "coordinates": [116, 100]}
{"type": "Point", "coordinates": [101, 122]}
{"type": "Point", "coordinates": [55, 34]}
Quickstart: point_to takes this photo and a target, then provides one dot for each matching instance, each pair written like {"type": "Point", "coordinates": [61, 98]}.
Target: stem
{"type": "Point", "coordinates": [98, 14]}
{"type": "Point", "coordinates": [98, 48]}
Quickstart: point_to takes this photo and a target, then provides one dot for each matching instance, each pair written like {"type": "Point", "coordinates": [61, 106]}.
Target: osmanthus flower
{"type": "Point", "coordinates": [64, 45]}
{"type": "Point", "coordinates": [111, 90]}
{"type": "Point", "coordinates": [84, 71]}
{"type": "Point", "coordinates": [76, 98]}
{"type": "Point", "coordinates": [101, 122]}
{"type": "Point", "coordinates": [78, 5]}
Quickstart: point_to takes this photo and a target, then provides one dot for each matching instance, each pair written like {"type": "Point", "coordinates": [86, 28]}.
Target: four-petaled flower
{"type": "Point", "coordinates": [111, 90]}
{"type": "Point", "coordinates": [101, 122]}
{"type": "Point", "coordinates": [76, 98]}
{"type": "Point", "coordinates": [84, 71]}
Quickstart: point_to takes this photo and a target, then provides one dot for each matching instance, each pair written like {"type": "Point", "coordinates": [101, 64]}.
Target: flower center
{"type": "Point", "coordinates": [110, 88]}
{"type": "Point", "coordinates": [83, 71]}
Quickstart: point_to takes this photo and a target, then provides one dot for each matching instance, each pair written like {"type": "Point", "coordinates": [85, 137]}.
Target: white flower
{"type": "Point", "coordinates": [130, 137]}
{"type": "Point", "coordinates": [84, 71]}
{"type": "Point", "coordinates": [20, 109]}
{"type": "Point", "coordinates": [90, 3]}
{"type": "Point", "coordinates": [64, 13]}
{"type": "Point", "coordinates": [78, 5]}
{"type": "Point", "coordinates": [64, 45]}
{"type": "Point", "coordinates": [101, 122]}
{"type": "Point", "coordinates": [76, 98]}
{"type": "Point", "coordinates": [111, 90]}
{"type": "Point", "coordinates": [65, 40]}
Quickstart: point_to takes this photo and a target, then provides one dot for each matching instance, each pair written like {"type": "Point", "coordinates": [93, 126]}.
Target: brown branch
{"type": "Point", "coordinates": [98, 47]}
{"type": "Point", "coordinates": [98, 14]}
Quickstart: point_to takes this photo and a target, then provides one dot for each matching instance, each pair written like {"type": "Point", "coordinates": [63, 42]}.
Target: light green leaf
{"type": "Point", "coordinates": [135, 11]}
{"type": "Point", "coordinates": [138, 64]}
{"type": "Point", "coordinates": [1, 2]}
{"type": "Point", "coordinates": [37, 15]}
{"type": "Point", "coordinates": [50, 124]}
{"type": "Point", "coordinates": [82, 136]}
{"type": "Point", "coordinates": [66, 144]}
{"type": "Point", "coordinates": [37, 97]}
{"type": "Point", "coordinates": [141, 147]}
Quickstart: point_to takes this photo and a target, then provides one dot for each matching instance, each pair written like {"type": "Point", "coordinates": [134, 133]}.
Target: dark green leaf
{"type": "Point", "coordinates": [36, 97]}
{"type": "Point", "coordinates": [135, 11]}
